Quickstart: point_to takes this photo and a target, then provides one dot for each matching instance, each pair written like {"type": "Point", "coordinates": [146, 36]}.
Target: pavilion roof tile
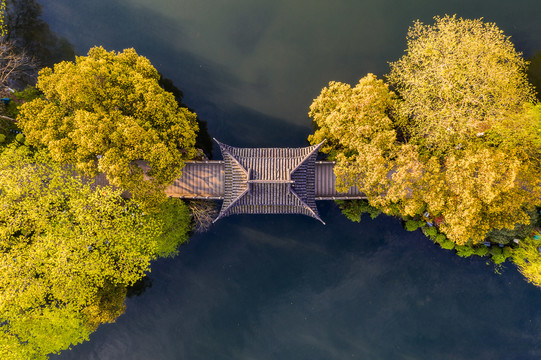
{"type": "Point", "coordinates": [269, 180]}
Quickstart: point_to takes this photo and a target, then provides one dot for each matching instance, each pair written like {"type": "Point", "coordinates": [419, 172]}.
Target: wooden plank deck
{"type": "Point", "coordinates": [199, 180]}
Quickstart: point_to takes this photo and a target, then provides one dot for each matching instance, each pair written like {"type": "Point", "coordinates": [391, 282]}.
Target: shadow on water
{"type": "Point", "coordinates": [123, 27]}
{"type": "Point", "coordinates": [534, 73]}
{"type": "Point", "coordinates": [203, 140]}
{"type": "Point", "coordinates": [29, 31]}
{"type": "Point", "coordinates": [244, 127]}
{"type": "Point", "coordinates": [139, 287]}
{"type": "Point", "coordinates": [208, 82]}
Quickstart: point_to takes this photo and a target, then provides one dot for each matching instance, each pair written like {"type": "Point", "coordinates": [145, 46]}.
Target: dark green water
{"type": "Point", "coordinates": [287, 287]}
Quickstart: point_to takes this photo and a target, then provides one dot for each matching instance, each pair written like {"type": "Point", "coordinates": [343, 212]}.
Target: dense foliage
{"type": "Point", "coordinates": [527, 258]}
{"type": "Point", "coordinates": [454, 150]}
{"type": "Point", "coordinates": [458, 78]}
{"type": "Point", "coordinates": [64, 249]}
{"type": "Point", "coordinates": [67, 252]}
{"type": "Point", "coordinates": [460, 141]}
{"type": "Point", "coordinates": [105, 110]}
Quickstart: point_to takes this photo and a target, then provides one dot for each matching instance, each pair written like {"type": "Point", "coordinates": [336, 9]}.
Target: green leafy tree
{"type": "Point", "coordinates": [105, 110]}
{"type": "Point", "coordinates": [354, 209]}
{"type": "Point", "coordinates": [67, 253]}
{"type": "Point", "coordinates": [174, 220]}
{"type": "Point", "coordinates": [527, 257]}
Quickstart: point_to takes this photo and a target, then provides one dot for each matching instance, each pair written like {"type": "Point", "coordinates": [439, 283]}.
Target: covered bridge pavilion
{"type": "Point", "coordinates": [262, 181]}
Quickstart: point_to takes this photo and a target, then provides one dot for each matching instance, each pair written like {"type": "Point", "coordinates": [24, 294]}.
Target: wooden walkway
{"type": "Point", "coordinates": [199, 180]}
{"type": "Point", "coordinates": [205, 180]}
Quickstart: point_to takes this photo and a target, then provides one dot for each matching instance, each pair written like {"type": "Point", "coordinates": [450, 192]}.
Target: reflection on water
{"type": "Point", "coordinates": [279, 287]}
{"type": "Point", "coordinates": [271, 56]}
{"type": "Point", "coordinates": [287, 287]}
{"type": "Point", "coordinates": [27, 30]}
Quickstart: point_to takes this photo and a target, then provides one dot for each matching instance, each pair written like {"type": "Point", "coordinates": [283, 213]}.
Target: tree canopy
{"type": "Point", "coordinates": [105, 110]}
{"type": "Point", "coordinates": [459, 142]}
{"type": "Point", "coordinates": [458, 78]}
{"type": "Point", "coordinates": [67, 252]}
{"type": "Point", "coordinates": [528, 260]}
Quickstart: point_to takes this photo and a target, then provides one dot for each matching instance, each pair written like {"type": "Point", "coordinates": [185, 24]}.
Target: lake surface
{"type": "Point", "coordinates": [288, 287]}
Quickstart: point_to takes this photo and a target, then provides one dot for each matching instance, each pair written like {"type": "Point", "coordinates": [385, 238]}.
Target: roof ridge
{"type": "Point", "coordinates": [314, 213]}
{"type": "Point", "coordinates": [224, 148]}
{"type": "Point", "coordinates": [262, 191]}
{"type": "Point", "coordinates": [234, 202]}
{"type": "Point", "coordinates": [315, 149]}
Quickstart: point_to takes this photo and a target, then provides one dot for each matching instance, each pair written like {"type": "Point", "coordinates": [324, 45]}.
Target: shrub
{"type": "Point", "coordinates": [526, 257]}
{"type": "Point", "coordinates": [411, 225]}
{"type": "Point", "coordinates": [353, 209]}
{"type": "Point", "coordinates": [447, 244]}
{"type": "Point", "coordinates": [28, 94]}
{"type": "Point", "coordinates": [498, 259]}
{"type": "Point", "coordinates": [495, 251]}
{"type": "Point", "coordinates": [481, 251]}
{"type": "Point", "coordinates": [431, 231]}
{"type": "Point", "coordinates": [440, 238]}
{"type": "Point", "coordinates": [465, 251]}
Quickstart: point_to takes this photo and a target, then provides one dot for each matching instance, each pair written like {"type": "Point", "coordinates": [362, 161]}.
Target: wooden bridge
{"type": "Point", "coordinates": [259, 181]}
{"type": "Point", "coordinates": [206, 180]}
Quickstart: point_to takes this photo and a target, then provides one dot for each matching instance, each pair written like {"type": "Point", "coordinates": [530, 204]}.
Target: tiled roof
{"type": "Point", "coordinates": [269, 181]}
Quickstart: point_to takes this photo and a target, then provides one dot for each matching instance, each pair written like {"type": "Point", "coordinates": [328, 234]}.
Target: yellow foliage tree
{"type": "Point", "coordinates": [67, 253]}
{"type": "Point", "coordinates": [3, 25]}
{"type": "Point", "coordinates": [462, 142]}
{"type": "Point", "coordinates": [359, 133]}
{"type": "Point", "coordinates": [484, 189]}
{"type": "Point", "coordinates": [105, 110]}
{"type": "Point", "coordinates": [458, 78]}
